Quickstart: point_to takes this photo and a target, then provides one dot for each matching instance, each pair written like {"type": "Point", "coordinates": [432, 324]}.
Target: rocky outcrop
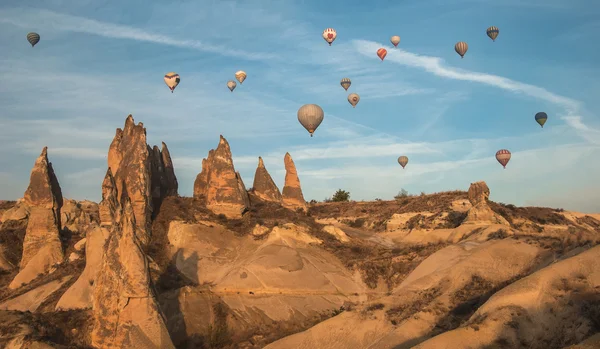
{"type": "Point", "coordinates": [126, 313]}
{"type": "Point", "coordinates": [292, 192]}
{"type": "Point", "coordinates": [42, 247]}
{"type": "Point", "coordinates": [110, 207]}
{"type": "Point", "coordinates": [143, 174]}
{"type": "Point", "coordinates": [220, 185]}
{"type": "Point", "coordinates": [480, 212]}
{"type": "Point", "coordinates": [264, 186]}
{"type": "Point", "coordinates": [76, 216]}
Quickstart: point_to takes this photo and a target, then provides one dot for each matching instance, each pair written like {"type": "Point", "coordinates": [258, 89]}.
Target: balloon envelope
{"type": "Point", "coordinates": [240, 75]}
{"type": "Point", "coordinates": [403, 160]}
{"type": "Point", "coordinates": [461, 48]}
{"type": "Point", "coordinates": [345, 82]}
{"type": "Point", "coordinates": [381, 53]}
{"type": "Point", "coordinates": [310, 116]}
{"type": "Point", "coordinates": [541, 118]}
{"type": "Point", "coordinates": [503, 157]}
{"type": "Point", "coordinates": [353, 98]}
{"type": "Point", "coordinates": [172, 79]}
{"type": "Point", "coordinates": [395, 40]}
{"type": "Point", "coordinates": [329, 35]}
{"type": "Point", "coordinates": [493, 32]}
{"type": "Point", "coordinates": [33, 38]}
{"type": "Point", "coordinates": [231, 84]}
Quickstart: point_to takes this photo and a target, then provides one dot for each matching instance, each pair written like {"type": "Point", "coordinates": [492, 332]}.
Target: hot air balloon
{"type": "Point", "coordinates": [353, 98]}
{"type": "Point", "coordinates": [240, 75]}
{"type": "Point", "coordinates": [310, 116]}
{"type": "Point", "coordinates": [461, 48]}
{"type": "Point", "coordinates": [395, 40]}
{"type": "Point", "coordinates": [33, 38]}
{"type": "Point", "coordinates": [172, 80]}
{"type": "Point", "coordinates": [381, 53]}
{"type": "Point", "coordinates": [403, 160]}
{"type": "Point", "coordinates": [345, 82]}
{"type": "Point", "coordinates": [329, 35]}
{"type": "Point", "coordinates": [503, 157]}
{"type": "Point", "coordinates": [231, 84]}
{"type": "Point", "coordinates": [493, 32]}
{"type": "Point", "coordinates": [541, 118]}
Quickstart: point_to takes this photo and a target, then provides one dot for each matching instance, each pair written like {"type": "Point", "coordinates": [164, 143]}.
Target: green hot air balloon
{"type": "Point", "coordinates": [541, 118]}
{"type": "Point", "coordinates": [310, 116]}
{"type": "Point", "coordinates": [403, 160]}
{"type": "Point", "coordinates": [33, 38]}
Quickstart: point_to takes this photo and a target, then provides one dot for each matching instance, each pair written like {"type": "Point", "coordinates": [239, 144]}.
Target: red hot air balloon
{"type": "Point", "coordinates": [381, 53]}
{"type": "Point", "coordinates": [503, 157]}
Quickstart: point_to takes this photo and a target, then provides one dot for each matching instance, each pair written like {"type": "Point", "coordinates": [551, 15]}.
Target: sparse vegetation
{"type": "Point", "coordinates": [403, 193]}
{"type": "Point", "coordinates": [498, 235]}
{"type": "Point", "coordinates": [340, 196]}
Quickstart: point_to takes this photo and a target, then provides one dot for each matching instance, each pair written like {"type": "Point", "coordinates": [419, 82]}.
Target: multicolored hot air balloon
{"type": "Point", "coordinates": [541, 118]}
{"type": "Point", "coordinates": [329, 35]}
{"type": "Point", "coordinates": [33, 38]}
{"type": "Point", "coordinates": [172, 80]}
{"type": "Point", "coordinates": [310, 116]}
{"type": "Point", "coordinates": [503, 157]}
{"type": "Point", "coordinates": [231, 84]}
{"type": "Point", "coordinates": [403, 160]}
{"type": "Point", "coordinates": [461, 48]}
{"type": "Point", "coordinates": [240, 75]}
{"type": "Point", "coordinates": [381, 53]}
{"type": "Point", "coordinates": [395, 40]}
{"type": "Point", "coordinates": [353, 98]}
{"type": "Point", "coordinates": [493, 32]}
{"type": "Point", "coordinates": [345, 82]}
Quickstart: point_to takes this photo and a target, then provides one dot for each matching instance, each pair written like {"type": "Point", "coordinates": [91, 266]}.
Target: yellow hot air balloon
{"type": "Point", "coordinates": [461, 48]}
{"type": "Point", "coordinates": [345, 82]}
{"type": "Point", "coordinates": [395, 40]}
{"type": "Point", "coordinates": [403, 160]}
{"type": "Point", "coordinates": [240, 75]}
{"type": "Point", "coordinates": [172, 80]}
{"type": "Point", "coordinates": [231, 84]}
{"type": "Point", "coordinates": [329, 35]}
{"type": "Point", "coordinates": [310, 116]}
{"type": "Point", "coordinates": [353, 98]}
{"type": "Point", "coordinates": [493, 32]}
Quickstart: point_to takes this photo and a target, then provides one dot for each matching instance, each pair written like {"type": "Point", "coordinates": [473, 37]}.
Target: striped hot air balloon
{"type": "Point", "coordinates": [231, 85]}
{"type": "Point", "coordinates": [381, 53]}
{"type": "Point", "coordinates": [353, 98]}
{"type": "Point", "coordinates": [461, 48]}
{"type": "Point", "coordinates": [33, 38]}
{"type": "Point", "coordinates": [503, 157]}
{"type": "Point", "coordinates": [240, 75]}
{"type": "Point", "coordinates": [345, 82]}
{"type": "Point", "coordinates": [403, 160]}
{"type": "Point", "coordinates": [172, 79]}
{"type": "Point", "coordinates": [329, 35]}
{"type": "Point", "coordinates": [493, 32]}
{"type": "Point", "coordinates": [541, 118]}
{"type": "Point", "coordinates": [310, 116]}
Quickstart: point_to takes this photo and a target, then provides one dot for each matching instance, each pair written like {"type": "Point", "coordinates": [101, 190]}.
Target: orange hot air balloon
{"type": "Point", "coordinates": [381, 53]}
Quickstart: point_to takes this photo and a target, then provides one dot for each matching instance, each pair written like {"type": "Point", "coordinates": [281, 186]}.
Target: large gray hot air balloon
{"type": "Point", "coordinates": [310, 116]}
{"type": "Point", "coordinates": [33, 38]}
{"type": "Point", "coordinates": [403, 160]}
{"type": "Point", "coordinates": [353, 99]}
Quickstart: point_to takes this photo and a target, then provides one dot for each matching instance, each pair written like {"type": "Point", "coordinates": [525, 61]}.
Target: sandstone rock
{"type": "Point", "coordinates": [77, 216]}
{"type": "Point", "coordinates": [259, 230]}
{"type": "Point", "coordinates": [80, 244]}
{"type": "Point", "coordinates": [336, 232]}
{"type": "Point", "coordinates": [171, 185]}
{"type": "Point", "coordinates": [126, 313]}
{"type": "Point", "coordinates": [480, 212]}
{"type": "Point", "coordinates": [264, 186]}
{"type": "Point", "coordinates": [109, 208]}
{"type": "Point", "coordinates": [42, 247]}
{"type": "Point", "coordinates": [16, 213]}
{"type": "Point", "coordinates": [292, 192]}
{"type": "Point", "coordinates": [33, 299]}
{"type": "Point", "coordinates": [164, 182]}
{"type": "Point", "coordinates": [220, 185]}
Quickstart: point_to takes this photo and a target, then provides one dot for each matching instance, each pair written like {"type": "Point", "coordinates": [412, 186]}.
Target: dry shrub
{"type": "Point", "coordinates": [402, 312]}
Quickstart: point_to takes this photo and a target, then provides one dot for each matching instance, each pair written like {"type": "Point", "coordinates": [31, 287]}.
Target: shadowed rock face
{"type": "Point", "coordinates": [109, 207]}
{"type": "Point", "coordinates": [126, 313]}
{"type": "Point", "coordinates": [141, 173]}
{"type": "Point", "coordinates": [480, 212]}
{"type": "Point", "coordinates": [264, 186]}
{"type": "Point", "coordinates": [292, 192]}
{"type": "Point", "coordinates": [219, 183]}
{"type": "Point", "coordinates": [41, 247]}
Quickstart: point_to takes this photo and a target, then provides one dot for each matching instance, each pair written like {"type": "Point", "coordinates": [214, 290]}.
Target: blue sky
{"type": "Point", "coordinates": [99, 61]}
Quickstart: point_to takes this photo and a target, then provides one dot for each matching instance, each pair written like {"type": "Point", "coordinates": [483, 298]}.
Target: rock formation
{"type": "Point", "coordinates": [143, 174]}
{"type": "Point", "coordinates": [264, 186]}
{"type": "Point", "coordinates": [220, 185]}
{"type": "Point", "coordinates": [292, 192]}
{"type": "Point", "coordinates": [480, 212]}
{"type": "Point", "coordinates": [109, 208]}
{"type": "Point", "coordinates": [126, 313]}
{"type": "Point", "coordinates": [42, 247]}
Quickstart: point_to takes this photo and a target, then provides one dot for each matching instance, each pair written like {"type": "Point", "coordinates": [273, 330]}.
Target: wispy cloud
{"type": "Point", "coordinates": [27, 18]}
